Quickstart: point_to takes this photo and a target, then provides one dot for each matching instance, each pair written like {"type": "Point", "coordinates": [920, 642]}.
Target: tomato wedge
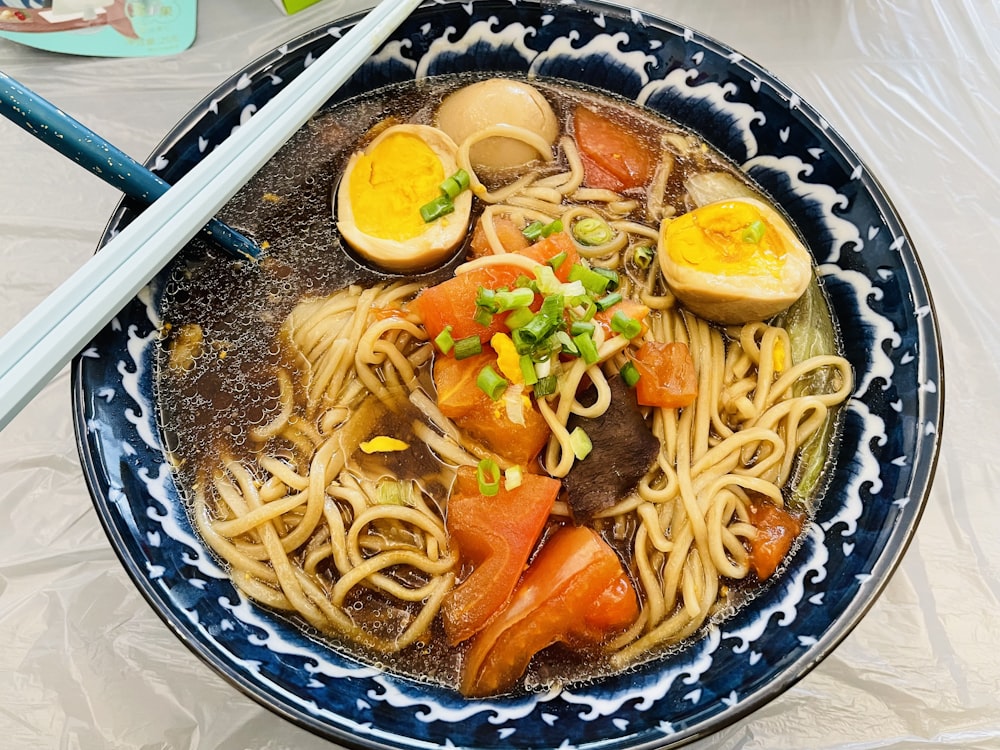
{"type": "Point", "coordinates": [493, 536]}
{"type": "Point", "coordinates": [475, 413]}
{"type": "Point", "coordinates": [508, 232]}
{"type": "Point", "coordinates": [631, 308]}
{"type": "Point", "coordinates": [666, 375]}
{"type": "Point", "coordinates": [575, 591]}
{"type": "Point", "coordinates": [453, 302]}
{"type": "Point", "coordinates": [613, 157]}
{"type": "Point", "coordinates": [776, 530]}
{"type": "Point", "coordinates": [552, 246]}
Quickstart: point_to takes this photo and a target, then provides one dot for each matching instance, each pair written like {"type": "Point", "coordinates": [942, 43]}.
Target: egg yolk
{"type": "Point", "coordinates": [508, 360]}
{"type": "Point", "coordinates": [391, 182]}
{"type": "Point", "coordinates": [729, 239]}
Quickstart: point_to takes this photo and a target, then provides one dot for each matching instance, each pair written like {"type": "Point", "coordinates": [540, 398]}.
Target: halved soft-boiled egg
{"type": "Point", "coordinates": [734, 261]}
{"type": "Point", "coordinates": [383, 190]}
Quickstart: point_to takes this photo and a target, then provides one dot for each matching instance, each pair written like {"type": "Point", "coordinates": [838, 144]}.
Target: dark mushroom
{"type": "Point", "coordinates": [624, 449]}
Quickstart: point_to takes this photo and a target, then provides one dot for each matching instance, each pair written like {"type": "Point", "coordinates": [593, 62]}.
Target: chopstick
{"type": "Point", "coordinates": [37, 347]}
{"type": "Point", "coordinates": [72, 139]}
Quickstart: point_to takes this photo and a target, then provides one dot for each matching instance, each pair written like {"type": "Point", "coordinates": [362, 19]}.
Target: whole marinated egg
{"type": "Point", "coordinates": [383, 189]}
{"type": "Point", "coordinates": [498, 101]}
{"type": "Point", "coordinates": [734, 261]}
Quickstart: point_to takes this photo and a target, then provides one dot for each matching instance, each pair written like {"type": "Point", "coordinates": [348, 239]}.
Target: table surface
{"type": "Point", "coordinates": [912, 85]}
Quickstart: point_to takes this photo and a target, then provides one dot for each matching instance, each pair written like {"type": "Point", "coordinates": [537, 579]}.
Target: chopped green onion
{"type": "Point", "coordinates": [544, 351]}
{"type": "Point", "coordinates": [470, 346]}
{"type": "Point", "coordinates": [444, 341]}
{"type": "Point", "coordinates": [546, 320]}
{"type": "Point", "coordinates": [490, 383]}
{"type": "Point", "coordinates": [754, 233]}
{"type": "Point", "coordinates": [643, 255]}
{"type": "Point", "coordinates": [625, 325]}
{"type": "Point", "coordinates": [515, 298]}
{"type": "Point", "coordinates": [630, 374]}
{"type": "Point", "coordinates": [524, 341]}
{"type": "Point", "coordinates": [527, 369]}
{"type": "Point", "coordinates": [557, 260]}
{"type": "Point", "coordinates": [512, 477]}
{"type": "Point", "coordinates": [488, 477]}
{"type": "Point", "coordinates": [543, 368]}
{"type": "Point", "coordinates": [588, 349]}
{"type": "Point", "coordinates": [536, 230]}
{"type": "Point", "coordinates": [592, 231]}
{"type": "Point", "coordinates": [519, 317]}
{"type": "Point", "coordinates": [545, 386]}
{"type": "Point", "coordinates": [608, 300]}
{"type": "Point", "coordinates": [524, 281]}
{"type": "Point", "coordinates": [533, 231]}
{"type": "Point", "coordinates": [568, 345]}
{"type": "Point", "coordinates": [483, 316]}
{"type": "Point", "coordinates": [592, 281]}
{"type": "Point", "coordinates": [487, 299]}
{"type": "Point", "coordinates": [435, 209]}
{"type": "Point", "coordinates": [589, 310]}
{"type": "Point", "coordinates": [546, 280]}
{"type": "Point", "coordinates": [450, 187]}
{"type": "Point", "coordinates": [610, 274]}
{"type": "Point", "coordinates": [455, 184]}
{"type": "Point", "coordinates": [575, 293]}
{"type": "Point", "coordinates": [581, 326]}
{"type": "Point", "coordinates": [579, 441]}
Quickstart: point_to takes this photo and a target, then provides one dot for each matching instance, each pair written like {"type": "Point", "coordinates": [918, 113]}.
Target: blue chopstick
{"type": "Point", "coordinates": [72, 139]}
{"type": "Point", "coordinates": [48, 336]}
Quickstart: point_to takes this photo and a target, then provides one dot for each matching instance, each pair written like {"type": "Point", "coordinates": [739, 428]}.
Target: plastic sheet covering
{"type": "Point", "coordinates": [914, 87]}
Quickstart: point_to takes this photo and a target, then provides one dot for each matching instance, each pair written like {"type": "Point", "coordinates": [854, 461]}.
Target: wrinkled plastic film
{"type": "Point", "coordinates": [914, 88]}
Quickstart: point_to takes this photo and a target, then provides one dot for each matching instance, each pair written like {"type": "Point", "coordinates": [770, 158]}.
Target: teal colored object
{"type": "Point", "coordinates": [101, 28]}
{"type": "Point", "coordinates": [72, 139]}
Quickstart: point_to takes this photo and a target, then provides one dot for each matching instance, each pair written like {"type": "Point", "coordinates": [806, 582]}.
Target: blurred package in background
{"type": "Point", "coordinates": [293, 6]}
{"type": "Point", "coordinates": [101, 28]}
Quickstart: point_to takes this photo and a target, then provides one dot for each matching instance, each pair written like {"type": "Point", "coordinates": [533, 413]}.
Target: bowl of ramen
{"type": "Point", "coordinates": [588, 392]}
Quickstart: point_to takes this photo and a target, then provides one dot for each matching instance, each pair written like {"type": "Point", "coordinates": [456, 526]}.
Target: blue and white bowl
{"type": "Point", "coordinates": [880, 476]}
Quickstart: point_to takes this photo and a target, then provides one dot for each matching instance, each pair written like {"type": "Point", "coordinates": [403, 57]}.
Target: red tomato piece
{"type": "Point", "coordinates": [494, 536]}
{"type": "Point", "coordinates": [552, 246]}
{"type": "Point", "coordinates": [611, 151]}
{"type": "Point", "coordinates": [631, 308]}
{"type": "Point", "coordinates": [508, 232]}
{"type": "Point", "coordinates": [453, 303]}
{"type": "Point", "coordinates": [776, 530]}
{"type": "Point", "coordinates": [575, 591]}
{"type": "Point", "coordinates": [461, 400]}
{"type": "Point", "coordinates": [667, 376]}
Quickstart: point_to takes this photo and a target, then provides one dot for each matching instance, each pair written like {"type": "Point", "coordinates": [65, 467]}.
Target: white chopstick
{"type": "Point", "coordinates": [48, 337]}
